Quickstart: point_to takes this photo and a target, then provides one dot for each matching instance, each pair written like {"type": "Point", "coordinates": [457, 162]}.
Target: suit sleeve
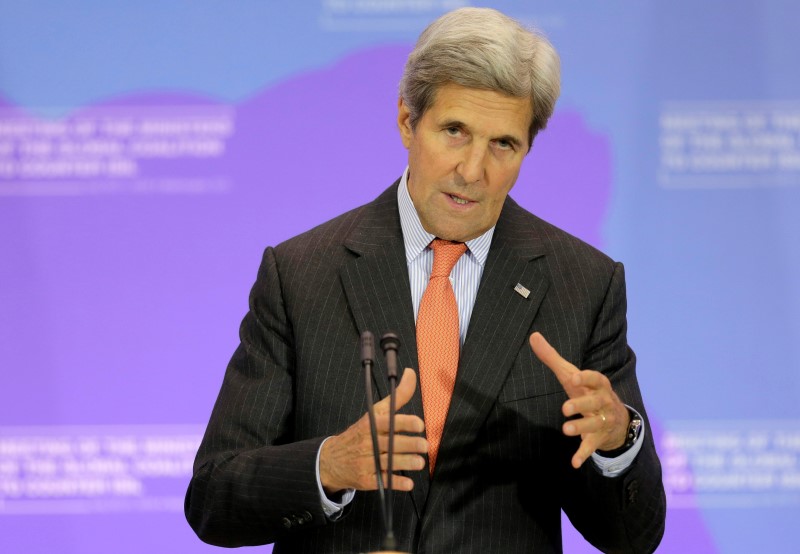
{"type": "Point", "coordinates": [624, 513]}
{"type": "Point", "coordinates": [252, 482]}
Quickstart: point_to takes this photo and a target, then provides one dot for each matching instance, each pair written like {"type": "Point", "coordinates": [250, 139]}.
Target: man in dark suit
{"type": "Point", "coordinates": [524, 432]}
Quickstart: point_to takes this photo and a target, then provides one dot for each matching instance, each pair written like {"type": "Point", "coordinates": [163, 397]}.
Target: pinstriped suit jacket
{"type": "Point", "coordinates": [504, 465]}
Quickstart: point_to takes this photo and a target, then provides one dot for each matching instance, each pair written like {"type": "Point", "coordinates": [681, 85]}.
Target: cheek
{"type": "Point", "coordinates": [495, 205]}
{"type": "Point", "coordinates": [435, 159]}
{"type": "Point", "coordinates": [494, 209]}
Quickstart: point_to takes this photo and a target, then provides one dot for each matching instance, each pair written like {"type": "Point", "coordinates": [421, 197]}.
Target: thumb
{"type": "Point", "coordinates": [405, 390]}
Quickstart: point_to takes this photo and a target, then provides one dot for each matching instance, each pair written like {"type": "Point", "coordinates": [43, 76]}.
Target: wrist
{"type": "Point", "coordinates": [326, 476]}
{"type": "Point", "coordinates": [633, 430]}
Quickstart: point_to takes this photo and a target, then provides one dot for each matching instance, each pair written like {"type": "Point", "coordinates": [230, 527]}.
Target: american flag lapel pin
{"type": "Point", "coordinates": [522, 291]}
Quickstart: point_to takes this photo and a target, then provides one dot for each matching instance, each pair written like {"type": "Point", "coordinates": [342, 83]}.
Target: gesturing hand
{"type": "Point", "coordinates": [605, 419]}
{"type": "Point", "coordinates": [346, 460]}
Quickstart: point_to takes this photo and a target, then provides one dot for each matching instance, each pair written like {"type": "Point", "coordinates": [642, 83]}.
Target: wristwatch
{"type": "Point", "coordinates": [634, 430]}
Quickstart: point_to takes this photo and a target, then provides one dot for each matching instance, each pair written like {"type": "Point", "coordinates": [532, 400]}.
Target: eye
{"type": "Point", "coordinates": [453, 131]}
{"type": "Point", "coordinates": [504, 144]}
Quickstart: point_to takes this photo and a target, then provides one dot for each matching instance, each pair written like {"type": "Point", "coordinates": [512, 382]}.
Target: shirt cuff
{"type": "Point", "coordinates": [613, 467]}
{"type": "Point", "coordinates": [333, 510]}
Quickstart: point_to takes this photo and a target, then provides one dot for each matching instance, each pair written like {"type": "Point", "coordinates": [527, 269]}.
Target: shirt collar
{"type": "Point", "coordinates": [417, 239]}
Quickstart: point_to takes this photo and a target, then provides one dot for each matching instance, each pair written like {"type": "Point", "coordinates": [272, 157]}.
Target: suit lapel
{"type": "Point", "coordinates": [379, 295]}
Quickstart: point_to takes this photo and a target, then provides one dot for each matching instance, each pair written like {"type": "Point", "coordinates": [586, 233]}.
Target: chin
{"type": "Point", "coordinates": [455, 232]}
{"type": "Point", "coordinates": [456, 237]}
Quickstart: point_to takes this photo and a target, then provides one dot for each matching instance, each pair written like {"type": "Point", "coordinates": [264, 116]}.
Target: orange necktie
{"type": "Point", "coordinates": [438, 342]}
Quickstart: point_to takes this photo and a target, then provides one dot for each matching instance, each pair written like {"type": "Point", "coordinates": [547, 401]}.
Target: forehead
{"type": "Point", "coordinates": [484, 111]}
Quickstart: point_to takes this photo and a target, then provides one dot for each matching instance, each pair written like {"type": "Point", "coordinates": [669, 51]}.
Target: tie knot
{"type": "Point", "coordinates": [445, 256]}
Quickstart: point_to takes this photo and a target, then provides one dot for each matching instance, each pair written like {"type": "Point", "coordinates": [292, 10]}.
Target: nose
{"type": "Point", "coordinates": [472, 165]}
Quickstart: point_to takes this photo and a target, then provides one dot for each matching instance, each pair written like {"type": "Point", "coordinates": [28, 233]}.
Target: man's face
{"type": "Point", "coordinates": [464, 156]}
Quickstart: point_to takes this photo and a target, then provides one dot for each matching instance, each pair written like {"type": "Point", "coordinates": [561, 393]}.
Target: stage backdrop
{"type": "Point", "coordinates": [149, 151]}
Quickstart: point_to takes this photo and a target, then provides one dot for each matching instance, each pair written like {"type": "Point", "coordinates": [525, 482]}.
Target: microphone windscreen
{"type": "Point", "coordinates": [390, 341]}
{"type": "Point", "coordinates": [367, 347]}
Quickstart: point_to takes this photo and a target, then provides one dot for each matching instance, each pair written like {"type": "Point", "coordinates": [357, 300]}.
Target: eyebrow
{"type": "Point", "coordinates": [456, 123]}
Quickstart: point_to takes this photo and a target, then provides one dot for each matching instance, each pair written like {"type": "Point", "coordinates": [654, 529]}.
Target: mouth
{"type": "Point", "coordinates": [459, 200]}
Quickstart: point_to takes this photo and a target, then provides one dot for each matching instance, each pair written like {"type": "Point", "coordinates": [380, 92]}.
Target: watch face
{"type": "Point", "coordinates": [635, 428]}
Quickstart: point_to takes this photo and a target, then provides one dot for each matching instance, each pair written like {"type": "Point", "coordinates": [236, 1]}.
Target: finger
{"type": "Point", "coordinates": [551, 358]}
{"type": "Point", "coordinates": [585, 450]}
{"type": "Point", "coordinates": [404, 444]}
{"type": "Point", "coordinates": [585, 425]}
{"type": "Point", "coordinates": [367, 482]}
{"type": "Point", "coordinates": [403, 462]}
{"type": "Point", "coordinates": [403, 423]}
{"type": "Point", "coordinates": [404, 392]}
{"type": "Point", "coordinates": [587, 404]}
{"type": "Point", "coordinates": [400, 482]}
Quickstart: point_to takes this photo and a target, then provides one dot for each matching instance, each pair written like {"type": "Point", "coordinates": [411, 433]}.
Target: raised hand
{"type": "Point", "coordinates": [605, 419]}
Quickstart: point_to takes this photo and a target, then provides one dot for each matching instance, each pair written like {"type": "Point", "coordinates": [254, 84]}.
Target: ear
{"type": "Point", "coordinates": [404, 123]}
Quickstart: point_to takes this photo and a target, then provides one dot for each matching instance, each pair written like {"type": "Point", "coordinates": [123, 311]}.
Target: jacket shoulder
{"type": "Point", "coordinates": [559, 245]}
{"type": "Point", "coordinates": [316, 253]}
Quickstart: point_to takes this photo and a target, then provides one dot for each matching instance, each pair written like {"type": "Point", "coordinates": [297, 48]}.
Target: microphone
{"type": "Point", "coordinates": [367, 344]}
{"type": "Point", "coordinates": [367, 349]}
{"type": "Point", "coordinates": [390, 343]}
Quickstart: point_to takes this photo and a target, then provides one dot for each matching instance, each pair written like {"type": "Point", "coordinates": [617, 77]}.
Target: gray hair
{"type": "Point", "coordinates": [483, 49]}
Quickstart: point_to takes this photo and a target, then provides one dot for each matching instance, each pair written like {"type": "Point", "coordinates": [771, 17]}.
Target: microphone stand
{"type": "Point", "coordinates": [390, 343]}
{"type": "Point", "coordinates": [367, 359]}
